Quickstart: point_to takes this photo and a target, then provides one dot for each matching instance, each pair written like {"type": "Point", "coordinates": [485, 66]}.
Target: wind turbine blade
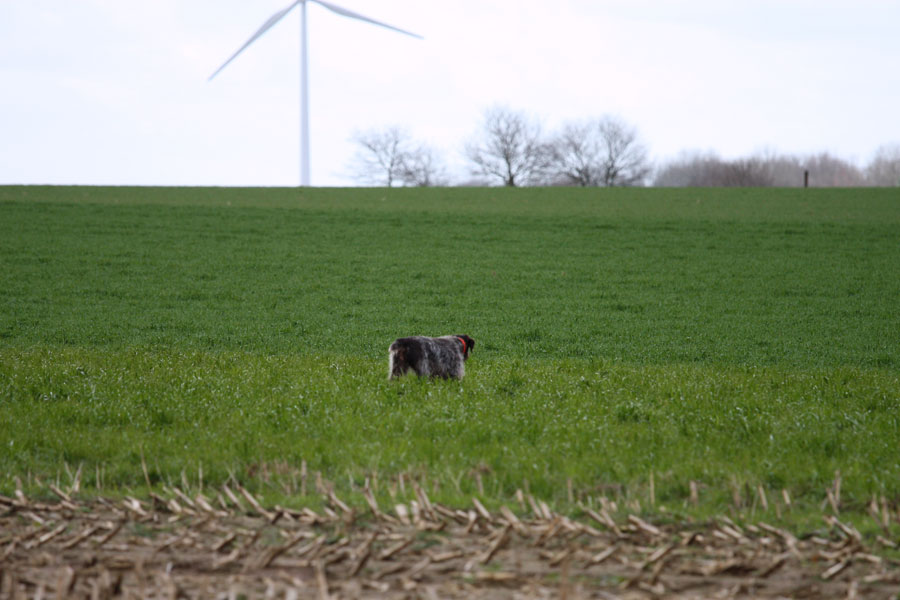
{"type": "Point", "coordinates": [265, 27]}
{"type": "Point", "coordinates": [353, 15]}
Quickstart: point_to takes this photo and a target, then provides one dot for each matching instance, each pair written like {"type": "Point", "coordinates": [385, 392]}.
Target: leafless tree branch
{"type": "Point", "coordinates": [510, 149]}
{"type": "Point", "coordinates": [884, 170]}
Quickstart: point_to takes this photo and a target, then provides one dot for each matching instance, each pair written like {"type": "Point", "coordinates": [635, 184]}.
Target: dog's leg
{"type": "Point", "coordinates": [393, 367]}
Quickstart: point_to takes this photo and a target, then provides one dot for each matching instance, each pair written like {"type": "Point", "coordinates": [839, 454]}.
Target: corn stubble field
{"type": "Point", "coordinates": [674, 393]}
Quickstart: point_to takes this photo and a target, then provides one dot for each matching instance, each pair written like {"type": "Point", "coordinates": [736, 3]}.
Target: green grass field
{"type": "Point", "coordinates": [629, 342]}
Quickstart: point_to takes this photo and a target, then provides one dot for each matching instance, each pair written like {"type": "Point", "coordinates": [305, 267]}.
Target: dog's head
{"type": "Point", "coordinates": [468, 343]}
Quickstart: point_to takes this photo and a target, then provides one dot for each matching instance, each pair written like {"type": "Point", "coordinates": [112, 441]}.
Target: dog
{"type": "Point", "coordinates": [442, 357]}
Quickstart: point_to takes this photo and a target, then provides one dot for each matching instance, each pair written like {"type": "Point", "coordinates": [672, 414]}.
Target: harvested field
{"type": "Point", "coordinates": [179, 546]}
{"type": "Point", "coordinates": [647, 361]}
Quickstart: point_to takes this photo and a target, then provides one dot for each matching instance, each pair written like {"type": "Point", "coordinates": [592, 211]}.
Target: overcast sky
{"type": "Point", "coordinates": [116, 91]}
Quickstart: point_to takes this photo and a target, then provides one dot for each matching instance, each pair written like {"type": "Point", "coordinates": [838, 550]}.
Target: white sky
{"type": "Point", "coordinates": [116, 92]}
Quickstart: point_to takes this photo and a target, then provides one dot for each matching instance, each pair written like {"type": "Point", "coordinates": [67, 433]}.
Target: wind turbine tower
{"type": "Point", "coordinates": [304, 70]}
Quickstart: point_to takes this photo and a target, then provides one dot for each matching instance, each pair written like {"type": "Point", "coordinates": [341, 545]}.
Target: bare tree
{"type": "Point", "coordinates": [510, 149]}
{"type": "Point", "coordinates": [379, 161]}
{"type": "Point", "coordinates": [421, 167]}
{"type": "Point", "coordinates": [689, 169]}
{"type": "Point", "coordinates": [625, 162]}
{"type": "Point", "coordinates": [746, 172]}
{"type": "Point", "coordinates": [708, 170]}
{"type": "Point", "coordinates": [782, 170]}
{"type": "Point", "coordinates": [826, 170]}
{"type": "Point", "coordinates": [390, 156]}
{"type": "Point", "coordinates": [604, 152]}
{"type": "Point", "coordinates": [884, 170]}
{"type": "Point", "coordinates": [576, 154]}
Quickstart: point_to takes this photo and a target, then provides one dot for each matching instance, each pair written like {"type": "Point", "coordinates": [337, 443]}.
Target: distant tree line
{"type": "Point", "coordinates": [773, 170]}
{"type": "Point", "coordinates": [512, 150]}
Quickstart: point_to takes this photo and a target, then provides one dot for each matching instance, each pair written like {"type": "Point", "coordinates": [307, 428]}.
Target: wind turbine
{"type": "Point", "coordinates": [304, 83]}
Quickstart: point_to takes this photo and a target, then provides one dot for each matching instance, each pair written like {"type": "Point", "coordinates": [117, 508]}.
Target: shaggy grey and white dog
{"type": "Point", "coordinates": [432, 356]}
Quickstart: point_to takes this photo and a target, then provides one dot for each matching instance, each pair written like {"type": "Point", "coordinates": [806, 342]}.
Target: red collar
{"type": "Point", "coordinates": [463, 343]}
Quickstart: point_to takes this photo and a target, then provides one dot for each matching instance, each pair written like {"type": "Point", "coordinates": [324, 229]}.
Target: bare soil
{"type": "Point", "coordinates": [231, 547]}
